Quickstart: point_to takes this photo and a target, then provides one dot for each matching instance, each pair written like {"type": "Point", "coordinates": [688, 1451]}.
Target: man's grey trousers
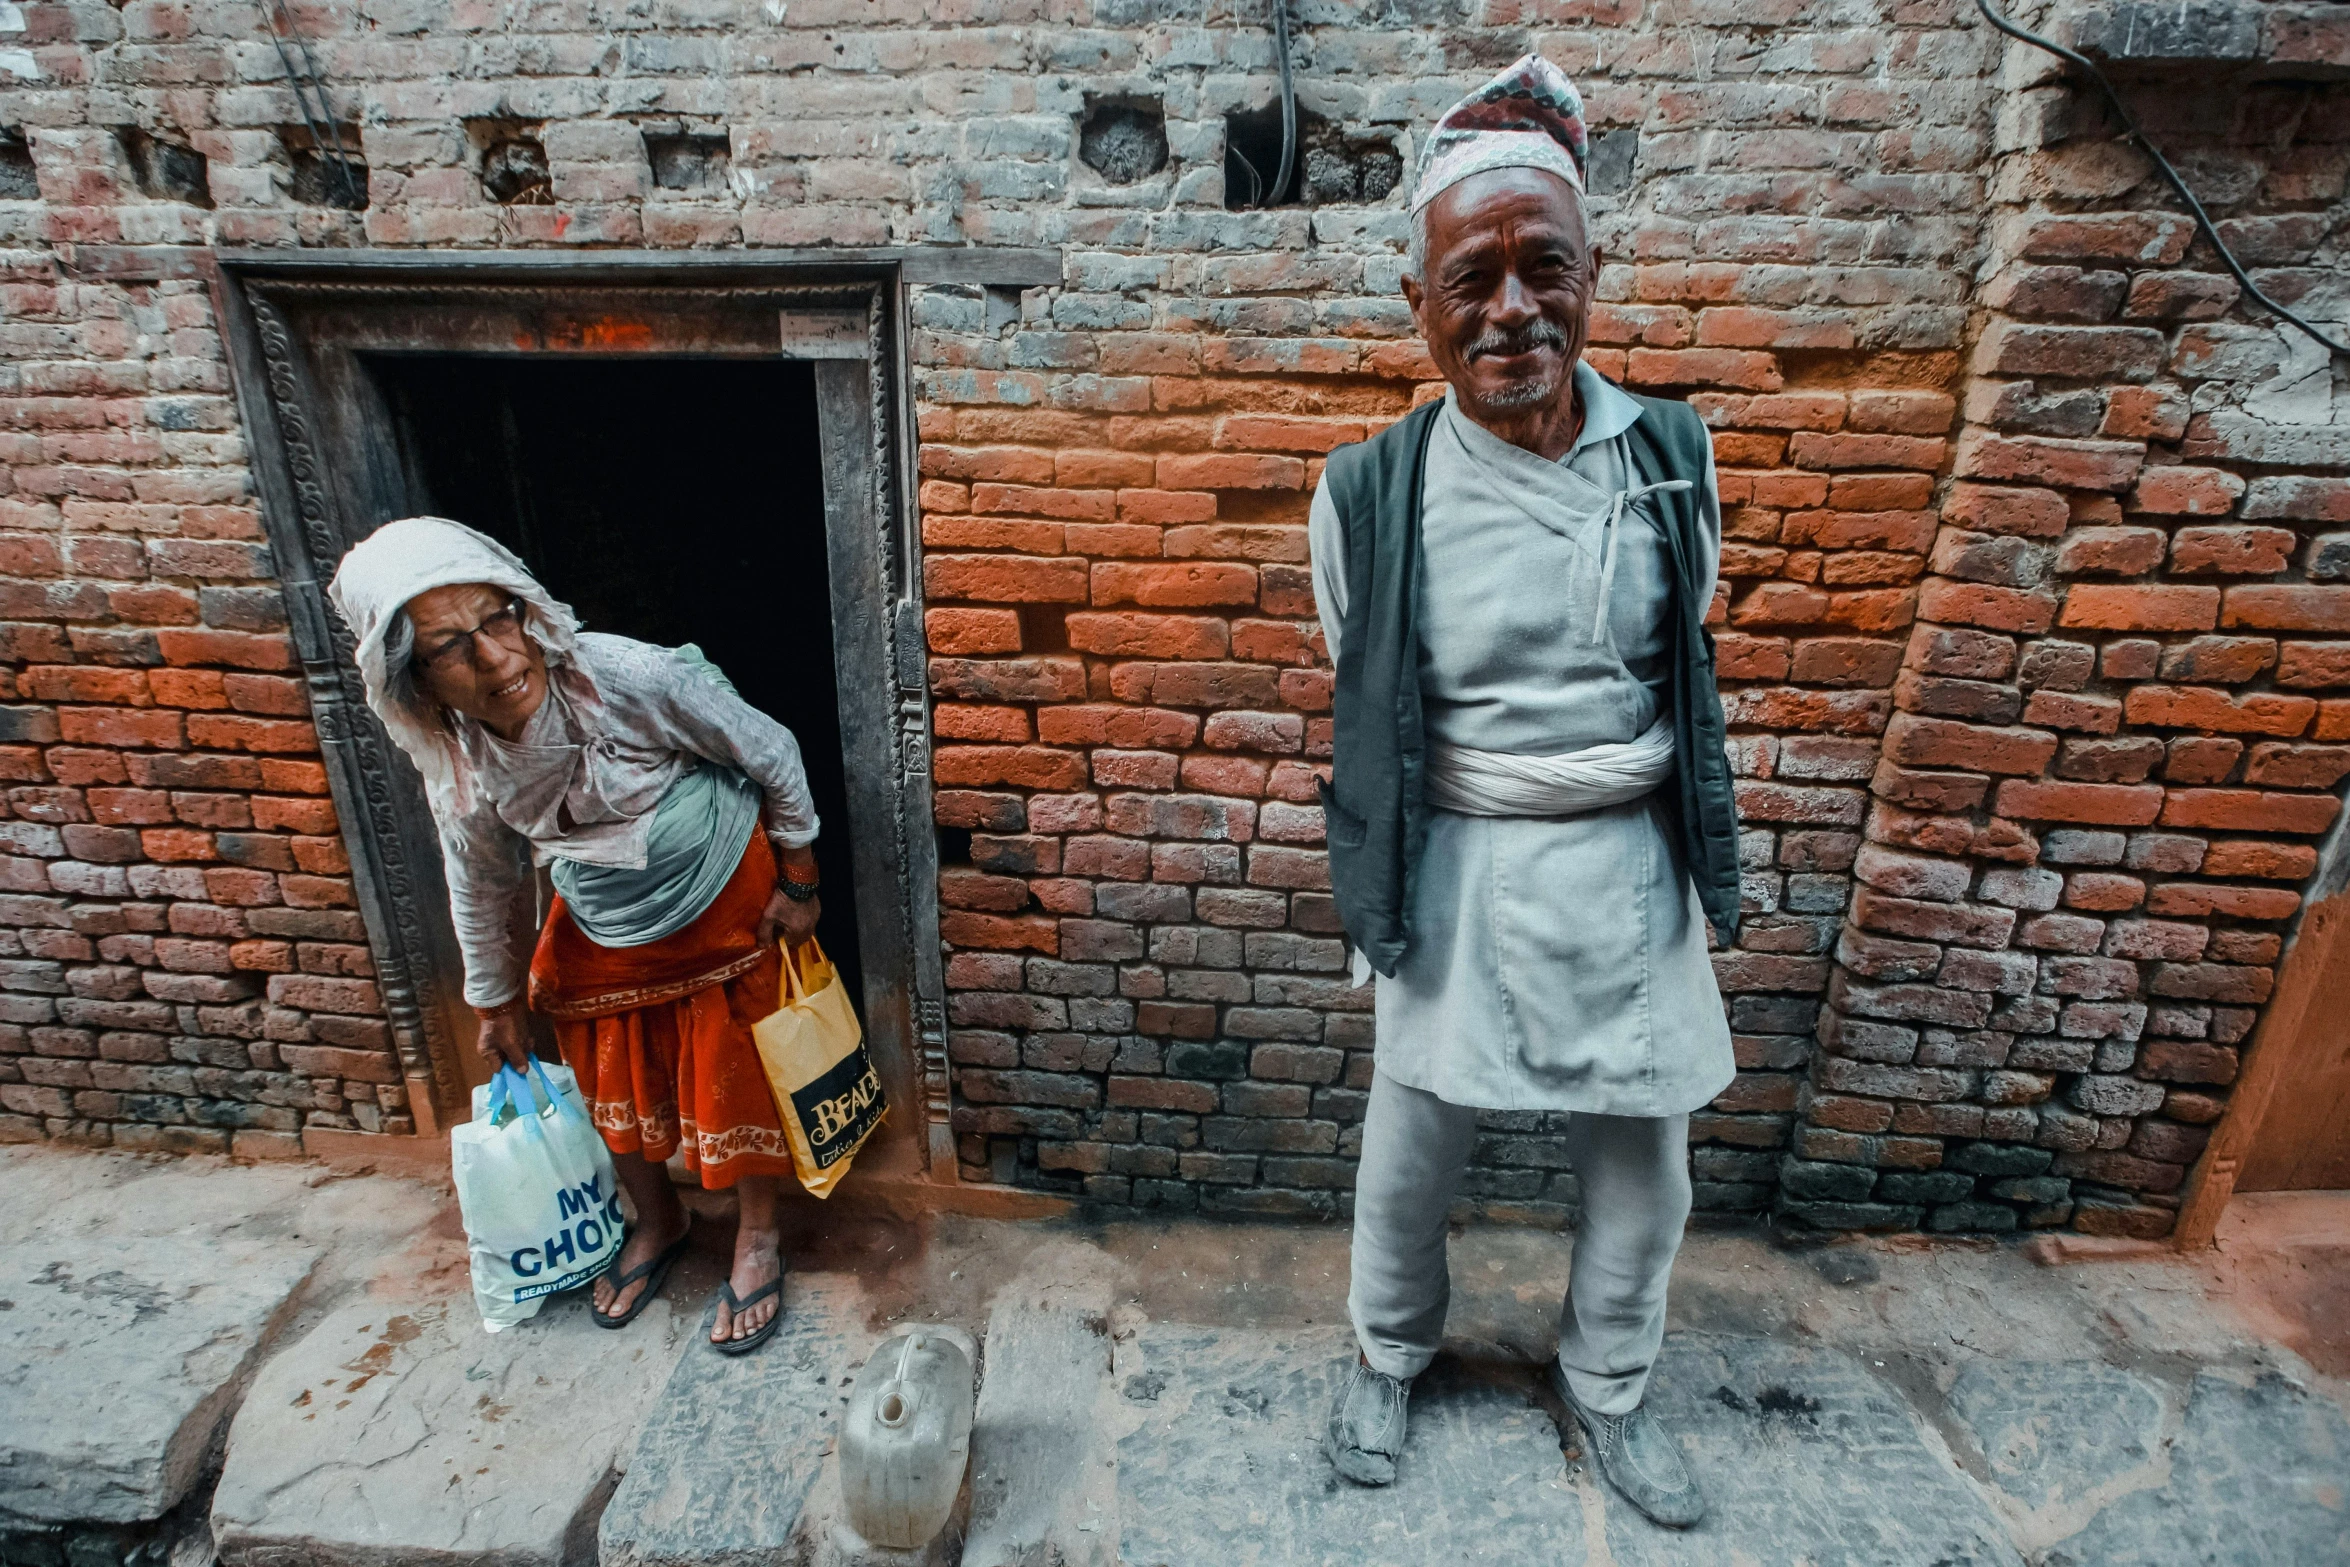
{"type": "Point", "coordinates": [1634, 1176]}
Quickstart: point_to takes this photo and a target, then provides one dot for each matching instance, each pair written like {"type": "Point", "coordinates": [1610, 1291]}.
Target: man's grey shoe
{"type": "Point", "coordinates": [1366, 1425]}
{"type": "Point", "coordinates": [1640, 1459]}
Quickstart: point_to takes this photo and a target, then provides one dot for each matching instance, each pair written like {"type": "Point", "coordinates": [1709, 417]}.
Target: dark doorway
{"type": "Point", "coordinates": [670, 500]}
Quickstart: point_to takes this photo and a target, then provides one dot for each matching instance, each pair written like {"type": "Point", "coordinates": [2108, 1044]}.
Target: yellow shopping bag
{"type": "Point", "coordinates": [824, 1083]}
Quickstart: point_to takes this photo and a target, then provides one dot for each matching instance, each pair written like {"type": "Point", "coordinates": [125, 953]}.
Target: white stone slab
{"type": "Point", "coordinates": [121, 1355]}
{"type": "Point", "coordinates": [404, 1434]}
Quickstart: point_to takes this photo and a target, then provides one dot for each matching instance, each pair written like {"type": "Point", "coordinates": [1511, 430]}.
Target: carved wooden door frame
{"type": "Point", "coordinates": [327, 472]}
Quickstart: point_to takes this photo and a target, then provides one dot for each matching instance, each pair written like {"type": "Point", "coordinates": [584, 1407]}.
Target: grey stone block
{"type": "Point", "coordinates": [406, 1434]}
{"type": "Point", "coordinates": [2058, 1433]}
{"type": "Point", "coordinates": [1805, 1458]}
{"type": "Point", "coordinates": [723, 1464]}
{"type": "Point", "coordinates": [2255, 1477]}
{"type": "Point", "coordinates": [122, 1357]}
{"type": "Point", "coordinates": [1221, 1461]}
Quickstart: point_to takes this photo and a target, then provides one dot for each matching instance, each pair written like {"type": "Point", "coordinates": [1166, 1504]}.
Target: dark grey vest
{"type": "Point", "coordinates": [1376, 806]}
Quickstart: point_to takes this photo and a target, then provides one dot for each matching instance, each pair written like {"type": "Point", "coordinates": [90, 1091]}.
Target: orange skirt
{"type": "Point", "coordinates": [659, 1036]}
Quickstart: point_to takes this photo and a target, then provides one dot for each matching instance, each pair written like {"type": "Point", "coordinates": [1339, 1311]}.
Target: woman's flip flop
{"type": "Point", "coordinates": [766, 1330]}
{"type": "Point", "coordinates": [658, 1267]}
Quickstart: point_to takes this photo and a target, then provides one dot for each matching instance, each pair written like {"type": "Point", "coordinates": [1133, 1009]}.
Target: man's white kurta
{"type": "Point", "coordinates": [1555, 963]}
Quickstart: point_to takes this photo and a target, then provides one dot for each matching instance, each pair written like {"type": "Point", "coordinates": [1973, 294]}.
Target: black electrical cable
{"type": "Point", "coordinates": [329, 142]}
{"type": "Point", "coordinates": [2135, 133]}
{"type": "Point", "coordinates": [1281, 176]}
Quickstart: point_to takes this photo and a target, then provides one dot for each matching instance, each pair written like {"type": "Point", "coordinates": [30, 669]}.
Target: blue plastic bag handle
{"type": "Point", "coordinates": [541, 1097]}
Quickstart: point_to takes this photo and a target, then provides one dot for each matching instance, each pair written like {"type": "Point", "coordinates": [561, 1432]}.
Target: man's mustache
{"type": "Point", "coordinates": [1525, 339]}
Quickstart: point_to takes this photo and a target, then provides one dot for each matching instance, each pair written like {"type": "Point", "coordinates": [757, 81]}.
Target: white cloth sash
{"type": "Point", "coordinates": [1470, 782]}
{"type": "Point", "coordinates": [1504, 783]}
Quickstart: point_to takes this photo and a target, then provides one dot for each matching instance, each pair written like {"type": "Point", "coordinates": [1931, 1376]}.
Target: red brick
{"type": "Point", "coordinates": [2236, 551]}
{"type": "Point", "coordinates": [1171, 585]}
{"type": "Point", "coordinates": [2199, 707]}
{"type": "Point", "coordinates": [236, 649]}
{"type": "Point", "coordinates": [955, 632]}
{"type": "Point", "coordinates": [2122, 552]}
{"type": "Point", "coordinates": [1914, 741]}
{"type": "Point", "coordinates": [1035, 932]}
{"type": "Point", "coordinates": [2314, 664]}
{"type": "Point", "coordinates": [2036, 459]}
{"type": "Point", "coordinates": [1980, 604]}
{"type": "Point", "coordinates": [217, 732]}
{"type": "Point", "coordinates": [1165, 507]}
{"type": "Point", "coordinates": [1005, 579]}
{"type": "Point", "coordinates": [2186, 492]}
{"type": "Point", "coordinates": [973, 721]}
{"type": "Point", "coordinates": [150, 728]}
{"type": "Point", "coordinates": [2031, 513]}
{"type": "Point", "coordinates": [2289, 608]}
{"type": "Point", "coordinates": [71, 683]}
{"type": "Point", "coordinates": [1025, 767]}
{"type": "Point", "coordinates": [2194, 900]}
{"type": "Point", "coordinates": [1149, 636]}
{"type": "Point", "coordinates": [2105, 805]}
{"type": "Point", "coordinates": [1223, 471]}
{"type": "Point", "coordinates": [2249, 810]}
{"type": "Point", "coordinates": [2297, 766]}
{"type": "Point", "coordinates": [2259, 857]}
{"type": "Point", "coordinates": [285, 775]}
{"type": "Point", "coordinates": [2123, 608]}
{"type": "Point", "coordinates": [1133, 728]}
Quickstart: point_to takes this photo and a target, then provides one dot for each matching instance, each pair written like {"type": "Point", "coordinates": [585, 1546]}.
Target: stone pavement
{"type": "Point", "coordinates": [279, 1366]}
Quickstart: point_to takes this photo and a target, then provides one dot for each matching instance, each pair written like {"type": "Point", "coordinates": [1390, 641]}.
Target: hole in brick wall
{"type": "Point", "coordinates": [954, 846]}
{"type": "Point", "coordinates": [17, 180]}
{"type": "Point", "coordinates": [1044, 628]}
{"type": "Point", "coordinates": [1123, 140]}
{"type": "Point", "coordinates": [319, 178]}
{"type": "Point", "coordinates": [513, 163]}
{"type": "Point", "coordinates": [167, 170]}
{"type": "Point", "coordinates": [1334, 166]}
{"type": "Point", "coordinates": [1614, 159]}
{"type": "Point", "coordinates": [689, 160]}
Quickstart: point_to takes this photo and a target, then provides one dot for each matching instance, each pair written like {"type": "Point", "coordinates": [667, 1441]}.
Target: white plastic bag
{"type": "Point", "coordinates": [536, 1187]}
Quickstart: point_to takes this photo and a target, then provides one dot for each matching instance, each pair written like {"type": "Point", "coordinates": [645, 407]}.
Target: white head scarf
{"type": "Point", "coordinates": [372, 588]}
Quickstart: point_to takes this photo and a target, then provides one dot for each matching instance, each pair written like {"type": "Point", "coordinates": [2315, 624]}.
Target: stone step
{"type": "Point", "coordinates": [405, 1434]}
{"type": "Point", "coordinates": [1043, 1474]}
{"type": "Point", "coordinates": [723, 1467]}
{"type": "Point", "coordinates": [127, 1336]}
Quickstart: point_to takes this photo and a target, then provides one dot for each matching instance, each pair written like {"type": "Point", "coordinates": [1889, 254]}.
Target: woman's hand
{"type": "Point", "coordinates": [504, 1040]}
{"type": "Point", "coordinates": [788, 919]}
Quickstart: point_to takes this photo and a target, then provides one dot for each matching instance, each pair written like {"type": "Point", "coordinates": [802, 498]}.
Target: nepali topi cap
{"type": "Point", "coordinates": [1528, 117]}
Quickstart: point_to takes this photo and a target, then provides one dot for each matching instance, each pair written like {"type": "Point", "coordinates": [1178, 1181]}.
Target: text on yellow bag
{"type": "Point", "coordinates": [824, 1083]}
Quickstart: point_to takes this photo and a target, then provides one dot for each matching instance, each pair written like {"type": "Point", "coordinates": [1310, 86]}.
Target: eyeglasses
{"type": "Point", "coordinates": [504, 627]}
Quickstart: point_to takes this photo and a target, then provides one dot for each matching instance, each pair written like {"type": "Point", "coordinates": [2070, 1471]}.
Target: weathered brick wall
{"type": "Point", "coordinates": [1149, 1000]}
{"type": "Point", "coordinates": [2122, 712]}
{"type": "Point", "coordinates": [1814, 215]}
{"type": "Point", "coordinates": [183, 968]}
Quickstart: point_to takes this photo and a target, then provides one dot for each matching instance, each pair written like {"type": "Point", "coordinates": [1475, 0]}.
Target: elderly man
{"type": "Point", "coordinates": [1530, 814]}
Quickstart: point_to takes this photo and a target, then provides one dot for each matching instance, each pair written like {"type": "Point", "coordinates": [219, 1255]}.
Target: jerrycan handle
{"type": "Point", "coordinates": [899, 1398]}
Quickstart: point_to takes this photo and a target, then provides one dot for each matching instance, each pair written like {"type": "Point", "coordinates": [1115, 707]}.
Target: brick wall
{"type": "Point", "coordinates": [1956, 353]}
{"type": "Point", "coordinates": [2121, 715]}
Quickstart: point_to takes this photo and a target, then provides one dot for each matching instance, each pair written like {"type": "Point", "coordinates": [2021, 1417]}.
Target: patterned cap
{"type": "Point", "coordinates": [1528, 117]}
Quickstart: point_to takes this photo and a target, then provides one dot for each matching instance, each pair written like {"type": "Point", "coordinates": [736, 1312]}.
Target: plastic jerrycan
{"type": "Point", "coordinates": [906, 1438]}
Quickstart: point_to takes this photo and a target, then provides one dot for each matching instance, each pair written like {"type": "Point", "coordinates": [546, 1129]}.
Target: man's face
{"type": "Point", "coordinates": [1505, 296]}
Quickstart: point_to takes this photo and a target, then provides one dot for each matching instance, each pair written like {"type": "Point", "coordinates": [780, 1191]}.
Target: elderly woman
{"type": "Point", "coordinates": [661, 804]}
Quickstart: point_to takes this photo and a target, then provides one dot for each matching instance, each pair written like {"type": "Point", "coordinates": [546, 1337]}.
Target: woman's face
{"type": "Point", "coordinates": [473, 654]}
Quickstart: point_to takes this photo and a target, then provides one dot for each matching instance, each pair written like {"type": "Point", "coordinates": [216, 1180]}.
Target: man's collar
{"type": "Point", "coordinates": [1608, 411]}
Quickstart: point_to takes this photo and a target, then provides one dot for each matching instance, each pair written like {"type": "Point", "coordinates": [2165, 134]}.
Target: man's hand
{"type": "Point", "coordinates": [789, 919]}
{"type": "Point", "coordinates": [504, 1040]}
